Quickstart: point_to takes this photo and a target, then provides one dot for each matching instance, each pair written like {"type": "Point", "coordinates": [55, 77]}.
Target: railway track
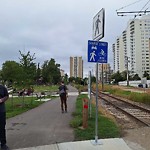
{"type": "Point", "coordinates": [134, 111]}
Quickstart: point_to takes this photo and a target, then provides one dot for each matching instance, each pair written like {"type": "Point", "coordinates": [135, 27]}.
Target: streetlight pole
{"type": "Point", "coordinates": [102, 78]}
{"type": "Point", "coordinates": [127, 72]}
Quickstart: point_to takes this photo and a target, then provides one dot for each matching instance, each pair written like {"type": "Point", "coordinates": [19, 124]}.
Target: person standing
{"type": "Point", "coordinates": [3, 97]}
{"type": "Point", "coordinates": [63, 96]}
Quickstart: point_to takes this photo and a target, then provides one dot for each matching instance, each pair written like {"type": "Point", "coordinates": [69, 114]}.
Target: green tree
{"type": "Point", "coordinates": [117, 77]}
{"type": "Point", "coordinates": [38, 74]}
{"type": "Point", "coordinates": [136, 77]}
{"type": "Point", "coordinates": [85, 80]}
{"type": "Point", "coordinates": [45, 72]}
{"type": "Point", "coordinates": [93, 79]}
{"type": "Point", "coordinates": [28, 66]}
{"type": "Point", "coordinates": [124, 75]}
{"type": "Point", "coordinates": [146, 75]}
{"type": "Point", "coordinates": [78, 80]}
{"type": "Point", "coordinates": [66, 78]}
{"type": "Point", "coordinates": [51, 72]}
{"type": "Point", "coordinates": [72, 79]}
{"type": "Point", "coordinates": [0, 75]}
{"type": "Point", "coordinates": [11, 71]}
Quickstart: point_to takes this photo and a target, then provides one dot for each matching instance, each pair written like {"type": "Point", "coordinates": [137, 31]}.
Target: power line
{"type": "Point", "coordinates": [129, 5]}
{"type": "Point", "coordinates": [142, 9]}
{"type": "Point", "coordinates": [136, 13]}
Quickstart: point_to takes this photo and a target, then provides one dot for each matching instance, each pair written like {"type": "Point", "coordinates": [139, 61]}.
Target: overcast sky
{"type": "Point", "coordinates": [57, 28]}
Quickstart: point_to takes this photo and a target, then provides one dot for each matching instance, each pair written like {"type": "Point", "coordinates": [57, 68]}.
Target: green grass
{"type": "Point", "coordinates": [106, 127]}
{"type": "Point", "coordinates": [40, 88]}
{"type": "Point", "coordinates": [134, 96]}
{"type": "Point", "coordinates": [140, 97]}
{"type": "Point", "coordinates": [45, 88]}
{"type": "Point", "coordinates": [18, 105]}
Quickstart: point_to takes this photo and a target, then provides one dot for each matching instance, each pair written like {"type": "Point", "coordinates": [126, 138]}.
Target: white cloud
{"type": "Point", "coordinates": [55, 29]}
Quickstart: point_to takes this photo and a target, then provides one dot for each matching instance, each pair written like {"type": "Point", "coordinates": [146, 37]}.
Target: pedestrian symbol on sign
{"type": "Point", "coordinates": [98, 25]}
{"type": "Point", "coordinates": [92, 56]}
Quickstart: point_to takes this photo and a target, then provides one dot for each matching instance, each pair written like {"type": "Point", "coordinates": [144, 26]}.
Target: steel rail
{"type": "Point", "coordinates": [122, 110]}
{"type": "Point", "coordinates": [135, 105]}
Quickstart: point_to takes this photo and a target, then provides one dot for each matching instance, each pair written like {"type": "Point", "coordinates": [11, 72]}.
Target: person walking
{"type": "Point", "coordinates": [3, 97]}
{"type": "Point", "coordinates": [63, 96]}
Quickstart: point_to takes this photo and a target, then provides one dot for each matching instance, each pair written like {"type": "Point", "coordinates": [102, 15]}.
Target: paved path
{"type": "Point", "coordinates": [43, 125]}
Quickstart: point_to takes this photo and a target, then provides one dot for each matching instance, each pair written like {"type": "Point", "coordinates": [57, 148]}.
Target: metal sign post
{"type": "Point", "coordinates": [144, 82]}
{"type": "Point", "coordinates": [89, 93]}
{"type": "Point", "coordinates": [97, 53]}
{"type": "Point", "coordinates": [96, 119]}
{"type": "Point", "coordinates": [102, 78]}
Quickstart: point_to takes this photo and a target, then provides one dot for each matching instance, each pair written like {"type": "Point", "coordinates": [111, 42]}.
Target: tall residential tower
{"type": "Point", "coordinates": [132, 49]}
{"type": "Point", "coordinates": [76, 67]}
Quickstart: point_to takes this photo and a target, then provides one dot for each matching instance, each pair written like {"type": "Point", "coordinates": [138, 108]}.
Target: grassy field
{"type": "Point", "coordinates": [107, 128]}
{"type": "Point", "coordinates": [134, 96]}
{"type": "Point", "coordinates": [45, 88]}
{"type": "Point", "coordinates": [18, 104]}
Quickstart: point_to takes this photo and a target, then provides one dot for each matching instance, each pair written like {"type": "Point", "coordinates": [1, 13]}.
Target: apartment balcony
{"type": "Point", "coordinates": [124, 33]}
{"type": "Point", "coordinates": [132, 28]}
{"type": "Point", "coordinates": [131, 46]}
{"type": "Point", "coordinates": [132, 22]}
{"type": "Point", "coordinates": [132, 31]}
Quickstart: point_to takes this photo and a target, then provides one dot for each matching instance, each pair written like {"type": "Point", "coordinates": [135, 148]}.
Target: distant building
{"type": "Point", "coordinates": [76, 67]}
{"type": "Point", "coordinates": [132, 49]}
{"type": "Point", "coordinates": [104, 69]}
{"type": "Point", "coordinates": [62, 72]}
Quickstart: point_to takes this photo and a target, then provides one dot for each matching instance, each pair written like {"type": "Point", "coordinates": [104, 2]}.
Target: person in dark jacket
{"type": "Point", "coordinates": [63, 96]}
{"type": "Point", "coordinates": [3, 97]}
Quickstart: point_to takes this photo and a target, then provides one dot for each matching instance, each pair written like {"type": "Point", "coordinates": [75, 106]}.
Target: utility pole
{"type": "Point", "coordinates": [102, 78]}
{"type": "Point", "coordinates": [109, 76]}
{"type": "Point", "coordinates": [127, 72]}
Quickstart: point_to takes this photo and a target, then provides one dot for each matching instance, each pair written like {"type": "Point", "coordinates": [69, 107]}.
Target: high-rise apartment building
{"type": "Point", "coordinates": [104, 72]}
{"type": "Point", "coordinates": [76, 67]}
{"type": "Point", "coordinates": [132, 49]}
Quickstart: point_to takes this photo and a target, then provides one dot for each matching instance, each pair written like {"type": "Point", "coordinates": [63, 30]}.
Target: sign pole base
{"type": "Point", "coordinates": [96, 141]}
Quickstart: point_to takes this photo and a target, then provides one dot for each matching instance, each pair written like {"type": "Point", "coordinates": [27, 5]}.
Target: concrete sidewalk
{"type": "Point", "coordinates": [107, 144]}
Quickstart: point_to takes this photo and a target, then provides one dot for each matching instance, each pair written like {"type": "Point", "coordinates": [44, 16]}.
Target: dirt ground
{"type": "Point", "coordinates": [138, 139]}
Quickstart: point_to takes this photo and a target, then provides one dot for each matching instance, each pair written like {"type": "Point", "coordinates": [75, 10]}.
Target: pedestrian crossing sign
{"type": "Point", "coordinates": [97, 51]}
{"type": "Point", "coordinates": [98, 25]}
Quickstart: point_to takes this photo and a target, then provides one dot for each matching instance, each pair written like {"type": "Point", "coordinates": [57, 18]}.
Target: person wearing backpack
{"type": "Point", "coordinates": [63, 96]}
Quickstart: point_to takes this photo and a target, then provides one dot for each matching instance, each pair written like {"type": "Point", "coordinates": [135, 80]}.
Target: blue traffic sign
{"type": "Point", "coordinates": [97, 51]}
